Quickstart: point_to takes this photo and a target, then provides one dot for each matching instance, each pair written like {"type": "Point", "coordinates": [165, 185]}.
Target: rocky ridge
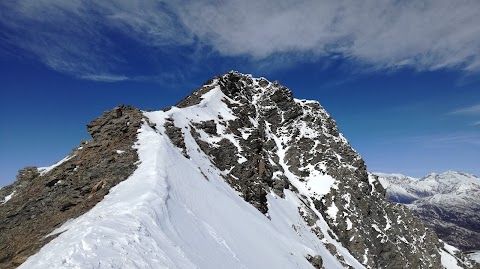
{"type": "Point", "coordinates": [42, 199]}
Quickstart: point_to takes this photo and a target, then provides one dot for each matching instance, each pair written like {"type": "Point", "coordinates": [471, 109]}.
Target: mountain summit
{"type": "Point", "coordinates": [239, 174]}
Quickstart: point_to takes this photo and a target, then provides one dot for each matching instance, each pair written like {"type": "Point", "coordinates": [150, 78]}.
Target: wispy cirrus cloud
{"type": "Point", "coordinates": [449, 139]}
{"type": "Point", "coordinates": [470, 110]}
{"type": "Point", "coordinates": [105, 77]}
{"type": "Point", "coordinates": [78, 37]}
{"type": "Point", "coordinates": [81, 38]}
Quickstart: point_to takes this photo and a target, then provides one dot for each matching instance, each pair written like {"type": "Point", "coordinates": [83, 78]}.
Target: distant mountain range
{"type": "Point", "coordinates": [448, 202]}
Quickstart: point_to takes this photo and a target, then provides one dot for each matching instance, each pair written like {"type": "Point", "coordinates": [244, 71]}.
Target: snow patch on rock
{"type": "Point", "coordinates": [44, 170]}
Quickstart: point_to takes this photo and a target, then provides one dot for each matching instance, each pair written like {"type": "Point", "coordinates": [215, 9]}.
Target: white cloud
{"type": "Point", "coordinates": [452, 139]}
{"type": "Point", "coordinates": [470, 110]}
{"type": "Point", "coordinates": [105, 77]}
{"type": "Point", "coordinates": [426, 35]}
{"type": "Point", "coordinates": [75, 36]}
{"type": "Point", "coordinates": [465, 138]}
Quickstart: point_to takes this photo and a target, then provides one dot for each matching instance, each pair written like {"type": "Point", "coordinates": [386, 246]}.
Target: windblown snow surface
{"type": "Point", "coordinates": [178, 212]}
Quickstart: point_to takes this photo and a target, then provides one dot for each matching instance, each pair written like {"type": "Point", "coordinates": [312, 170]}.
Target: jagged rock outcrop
{"type": "Point", "coordinates": [43, 199]}
{"type": "Point", "coordinates": [24, 177]}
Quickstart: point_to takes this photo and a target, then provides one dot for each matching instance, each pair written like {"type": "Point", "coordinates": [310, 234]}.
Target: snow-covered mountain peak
{"type": "Point", "coordinates": [434, 183]}
{"type": "Point", "coordinates": [259, 121]}
{"type": "Point", "coordinates": [450, 181]}
{"type": "Point", "coordinates": [239, 174]}
{"type": "Point", "coordinates": [387, 179]}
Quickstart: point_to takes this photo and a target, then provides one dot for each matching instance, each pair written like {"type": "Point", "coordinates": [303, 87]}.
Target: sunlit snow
{"type": "Point", "coordinates": [7, 198]}
{"type": "Point", "coordinates": [44, 170]}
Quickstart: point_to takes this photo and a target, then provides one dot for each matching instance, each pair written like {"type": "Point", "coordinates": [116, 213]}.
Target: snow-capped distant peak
{"type": "Point", "coordinates": [433, 183]}
{"type": "Point", "coordinates": [448, 201]}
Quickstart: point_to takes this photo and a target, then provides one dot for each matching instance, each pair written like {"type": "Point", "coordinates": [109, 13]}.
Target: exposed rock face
{"type": "Point", "coordinates": [43, 199]}
{"type": "Point", "coordinates": [275, 142]}
{"type": "Point", "coordinates": [24, 177]}
{"type": "Point", "coordinates": [316, 261]}
{"type": "Point", "coordinates": [448, 202]}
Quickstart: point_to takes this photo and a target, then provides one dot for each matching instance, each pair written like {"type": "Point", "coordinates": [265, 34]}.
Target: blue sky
{"type": "Point", "coordinates": [401, 78]}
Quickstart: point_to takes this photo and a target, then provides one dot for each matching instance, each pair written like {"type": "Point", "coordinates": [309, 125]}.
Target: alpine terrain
{"type": "Point", "coordinates": [239, 174]}
{"type": "Point", "coordinates": [448, 202]}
